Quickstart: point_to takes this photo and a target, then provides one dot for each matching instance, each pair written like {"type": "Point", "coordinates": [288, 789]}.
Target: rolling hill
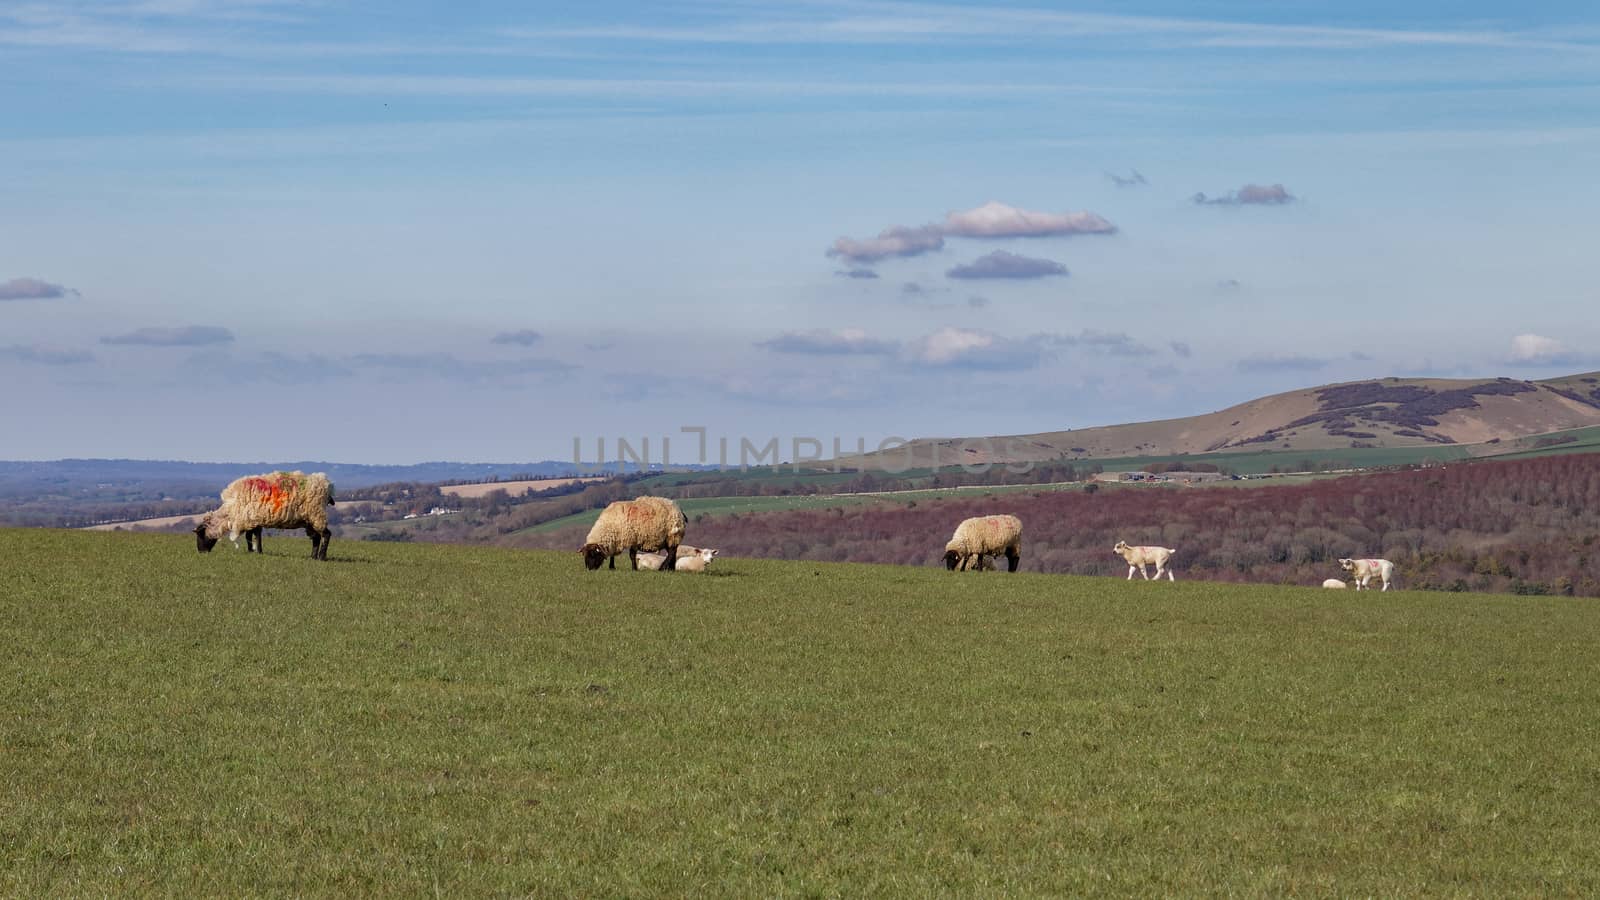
{"type": "Point", "coordinates": [1382, 414]}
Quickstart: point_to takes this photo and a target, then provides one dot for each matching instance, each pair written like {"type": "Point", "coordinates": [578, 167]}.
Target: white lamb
{"type": "Point", "coordinates": [1364, 570]}
{"type": "Point", "coordinates": [1334, 583]}
{"type": "Point", "coordinates": [1139, 557]}
{"type": "Point", "coordinates": [697, 562]}
{"type": "Point", "coordinates": [652, 561]}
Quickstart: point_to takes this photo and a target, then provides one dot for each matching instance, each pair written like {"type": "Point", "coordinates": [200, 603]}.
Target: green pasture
{"type": "Point", "coordinates": [466, 721]}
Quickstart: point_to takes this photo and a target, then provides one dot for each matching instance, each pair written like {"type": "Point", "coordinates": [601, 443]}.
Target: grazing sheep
{"type": "Point", "coordinates": [646, 523]}
{"type": "Point", "coordinates": [276, 500]}
{"type": "Point", "coordinates": [1334, 583]}
{"type": "Point", "coordinates": [696, 562]}
{"type": "Point", "coordinates": [984, 535]}
{"type": "Point", "coordinates": [1139, 557]}
{"type": "Point", "coordinates": [1364, 570]}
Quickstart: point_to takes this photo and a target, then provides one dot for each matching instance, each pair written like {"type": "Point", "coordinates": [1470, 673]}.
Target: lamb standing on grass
{"type": "Point", "coordinates": [984, 535]}
{"type": "Point", "coordinates": [1364, 570]}
{"type": "Point", "coordinates": [277, 500]}
{"type": "Point", "coordinates": [628, 526]}
{"type": "Point", "coordinates": [1139, 557]}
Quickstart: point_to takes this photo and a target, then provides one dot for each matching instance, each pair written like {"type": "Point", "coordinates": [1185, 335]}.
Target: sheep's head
{"type": "Point", "coordinates": [206, 533]}
{"type": "Point", "coordinates": [951, 559]}
{"type": "Point", "coordinates": [1120, 548]}
{"type": "Point", "coordinates": [706, 554]}
{"type": "Point", "coordinates": [1347, 564]}
{"type": "Point", "coordinates": [593, 556]}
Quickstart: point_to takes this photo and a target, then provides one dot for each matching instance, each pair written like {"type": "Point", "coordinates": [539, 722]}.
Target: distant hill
{"type": "Point", "coordinates": [87, 473]}
{"type": "Point", "coordinates": [1385, 413]}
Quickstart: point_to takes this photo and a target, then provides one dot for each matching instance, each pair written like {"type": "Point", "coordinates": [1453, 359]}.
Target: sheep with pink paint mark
{"type": "Point", "coordinates": [982, 536]}
{"type": "Point", "coordinates": [1363, 571]}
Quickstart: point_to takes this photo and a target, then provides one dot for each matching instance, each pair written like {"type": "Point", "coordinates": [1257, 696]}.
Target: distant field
{"type": "Point", "coordinates": [726, 505]}
{"type": "Point", "coordinates": [512, 488]}
{"type": "Point", "coordinates": [161, 522]}
{"type": "Point", "coordinates": [457, 721]}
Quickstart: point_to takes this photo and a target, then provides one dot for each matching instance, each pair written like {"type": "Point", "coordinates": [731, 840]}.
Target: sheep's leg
{"type": "Point", "coordinates": [1385, 585]}
{"type": "Point", "coordinates": [633, 558]}
{"type": "Point", "coordinates": [1144, 571]}
{"type": "Point", "coordinates": [327, 538]}
{"type": "Point", "coordinates": [1013, 557]}
{"type": "Point", "coordinates": [611, 561]}
{"type": "Point", "coordinates": [1131, 567]}
{"type": "Point", "coordinates": [1169, 575]}
{"type": "Point", "coordinates": [316, 539]}
{"type": "Point", "coordinates": [670, 564]}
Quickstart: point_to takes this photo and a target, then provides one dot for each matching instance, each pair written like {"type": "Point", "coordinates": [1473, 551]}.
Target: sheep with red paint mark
{"type": "Point", "coordinates": [283, 500]}
{"type": "Point", "coordinates": [1364, 570]}
{"type": "Point", "coordinates": [628, 526]}
{"type": "Point", "coordinates": [982, 536]}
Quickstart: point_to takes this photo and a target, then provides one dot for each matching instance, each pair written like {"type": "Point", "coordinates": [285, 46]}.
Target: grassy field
{"type": "Point", "coordinates": [415, 719]}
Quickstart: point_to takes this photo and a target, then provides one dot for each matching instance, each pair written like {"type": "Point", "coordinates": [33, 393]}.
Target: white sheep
{"type": "Point", "coordinates": [276, 500]}
{"type": "Point", "coordinates": [1364, 570]}
{"type": "Point", "coordinates": [696, 562]}
{"type": "Point", "coordinates": [628, 526]}
{"type": "Point", "coordinates": [652, 561]}
{"type": "Point", "coordinates": [984, 535]}
{"type": "Point", "coordinates": [1139, 557]}
{"type": "Point", "coordinates": [1334, 583]}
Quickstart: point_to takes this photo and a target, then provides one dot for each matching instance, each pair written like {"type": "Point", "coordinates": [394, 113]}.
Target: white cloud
{"type": "Point", "coordinates": [824, 342]}
{"type": "Point", "coordinates": [1538, 350]}
{"type": "Point", "coordinates": [997, 220]}
{"type": "Point", "coordinates": [991, 220]}
{"type": "Point", "coordinates": [897, 240]}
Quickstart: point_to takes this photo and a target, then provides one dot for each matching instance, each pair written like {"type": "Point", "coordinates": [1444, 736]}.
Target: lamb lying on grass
{"type": "Point", "coordinates": [696, 562]}
{"type": "Point", "coordinates": [652, 561]}
{"type": "Point", "coordinates": [628, 526]}
{"type": "Point", "coordinates": [1364, 570]}
{"type": "Point", "coordinates": [982, 536]}
{"type": "Point", "coordinates": [1334, 583]}
{"type": "Point", "coordinates": [1139, 557]}
{"type": "Point", "coordinates": [281, 500]}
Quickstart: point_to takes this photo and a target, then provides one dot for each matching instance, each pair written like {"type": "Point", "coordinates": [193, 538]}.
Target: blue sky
{"type": "Point", "coordinates": [251, 229]}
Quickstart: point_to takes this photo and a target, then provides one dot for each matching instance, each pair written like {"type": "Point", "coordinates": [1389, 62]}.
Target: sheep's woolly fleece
{"type": "Point", "coordinates": [277, 500]}
{"type": "Point", "coordinates": [981, 535]}
{"type": "Point", "coordinates": [646, 523]}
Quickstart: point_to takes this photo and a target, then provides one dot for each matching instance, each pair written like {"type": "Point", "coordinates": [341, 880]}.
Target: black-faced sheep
{"type": "Point", "coordinates": [1139, 557]}
{"type": "Point", "coordinates": [281, 500]}
{"type": "Point", "coordinates": [628, 526]}
{"type": "Point", "coordinates": [984, 535]}
{"type": "Point", "coordinates": [1364, 570]}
